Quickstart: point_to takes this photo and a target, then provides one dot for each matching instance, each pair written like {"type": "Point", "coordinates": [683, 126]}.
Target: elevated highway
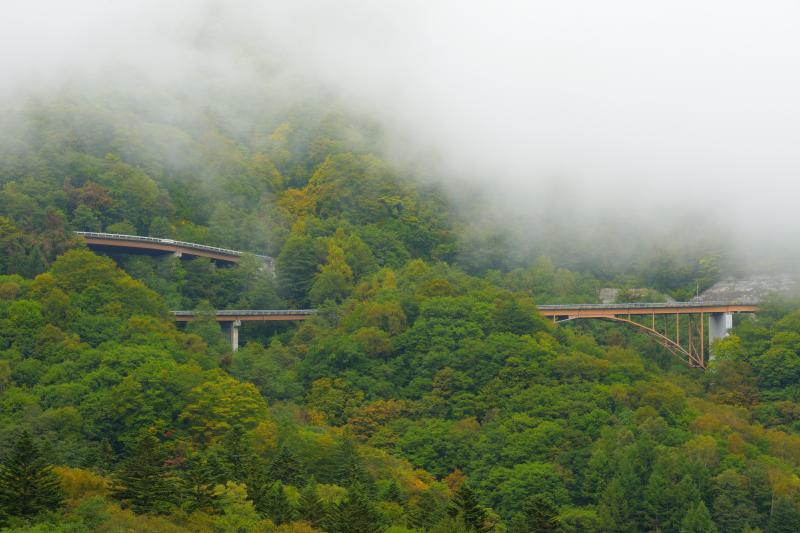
{"type": "Point", "coordinates": [680, 327]}
{"type": "Point", "coordinates": [115, 242]}
{"type": "Point", "coordinates": [685, 338]}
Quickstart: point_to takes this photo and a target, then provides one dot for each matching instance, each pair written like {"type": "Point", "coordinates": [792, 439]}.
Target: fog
{"type": "Point", "coordinates": [678, 119]}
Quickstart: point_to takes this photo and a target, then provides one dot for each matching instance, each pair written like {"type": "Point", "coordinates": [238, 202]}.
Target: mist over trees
{"type": "Point", "coordinates": [427, 394]}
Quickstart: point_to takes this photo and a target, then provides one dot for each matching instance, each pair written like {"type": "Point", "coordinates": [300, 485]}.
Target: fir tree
{"type": "Point", "coordinates": [427, 511]}
{"type": "Point", "coordinates": [311, 507]}
{"type": "Point", "coordinates": [541, 514]}
{"type": "Point", "coordinates": [286, 468]}
{"type": "Point", "coordinates": [392, 493]}
{"type": "Point", "coordinates": [277, 505]}
{"type": "Point", "coordinates": [356, 514]}
{"type": "Point", "coordinates": [785, 517]}
{"type": "Point", "coordinates": [143, 483]}
{"type": "Point", "coordinates": [465, 505]}
{"type": "Point", "coordinates": [698, 520]}
{"type": "Point", "coordinates": [28, 484]}
{"type": "Point", "coordinates": [198, 479]}
{"type": "Point", "coordinates": [348, 468]}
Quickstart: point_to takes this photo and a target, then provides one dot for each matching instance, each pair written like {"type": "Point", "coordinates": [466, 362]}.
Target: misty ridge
{"type": "Point", "coordinates": [595, 134]}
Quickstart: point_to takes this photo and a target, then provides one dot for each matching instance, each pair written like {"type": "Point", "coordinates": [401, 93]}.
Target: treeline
{"type": "Point", "coordinates": [426, 395]}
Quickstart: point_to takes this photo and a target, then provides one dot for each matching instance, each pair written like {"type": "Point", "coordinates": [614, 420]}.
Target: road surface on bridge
{"type": "Point", "coordinates": [572, 311]}
{"type": "Point", "coordinates": [686, 339]}
{"type": "Point", "coordinates": [111, 242]}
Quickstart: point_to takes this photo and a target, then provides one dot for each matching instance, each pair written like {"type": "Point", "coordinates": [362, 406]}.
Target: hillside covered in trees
{"type": "Point", "coordinates": [427, 395]}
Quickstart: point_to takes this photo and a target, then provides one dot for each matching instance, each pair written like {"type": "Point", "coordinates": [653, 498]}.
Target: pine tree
{"type": "Point", "coordinates": [198, 479]}
{"type": "Point", "coordinates": [311, 507]}
{"type": "Point", "coordinates": [286, 468]}
{"type": "Point", "coordinates": [698, 520]}
{"type": "Point", "coordinates": [277, 505]}
{"type": "Point", "coordinates": [348, 468]}
{"type": "Point", "coordinates": [143, 482]}
{"type": "Point", "coordinates": [392, 493]}
{"type": "Point", "coordinates": [541, 514]}
{"type": "Point", "coordinates": [785, 517]}
{"type": "Point", "coordinates": [465, 504]}
{"type": "Point", "coordinates": [427, 511]}
{"type": "Point", "coordinates": [356, 514]}
{"type": "Point", "coordinates": [28, 484]}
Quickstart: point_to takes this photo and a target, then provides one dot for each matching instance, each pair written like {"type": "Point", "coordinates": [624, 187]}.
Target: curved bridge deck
{"type": "Point", "coordinates": [154, 245]}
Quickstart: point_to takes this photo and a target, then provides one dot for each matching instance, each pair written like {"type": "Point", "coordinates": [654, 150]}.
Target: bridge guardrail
{"type": "Point", "coordinates": [659, 305]}
{"type": "Point", "coordinates": [252, 312]}
{"type": "Point", "coordinates": [158, 240]}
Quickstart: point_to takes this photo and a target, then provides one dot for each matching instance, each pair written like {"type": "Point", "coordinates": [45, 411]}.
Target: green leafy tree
{"type": "Point", "coordinates": [28, 485]}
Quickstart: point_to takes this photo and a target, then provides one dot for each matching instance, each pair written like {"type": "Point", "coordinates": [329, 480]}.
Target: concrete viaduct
{"type": "Point", "coordinates": [115, 242]}
{"type": "Point", "coordinates": [680, 327]}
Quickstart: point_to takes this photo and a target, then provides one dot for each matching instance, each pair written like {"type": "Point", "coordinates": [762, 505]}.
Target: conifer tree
{"type": "Point", "coordinates": [277, 506]}
{"type": "Point", "coordinates": [286, 468]}
{"type": "Point", "coordinates": [28, 484]}
{"type": "Point", "coordinates": [143, 482]}
{"type": "Point", "coordinates": [784, 517]}
{"type": "Point", "coordinates": [356, 514]}
{"type": "Point", "coordinates": [541, 514]}
{"type": "Point", "coordinates": [427, 511]}
{"type": "Point", "coordinates": [348, 468]}
{"type": "Point", "coordinates": [465, 505]}
{"type": "Point", "coordinates": [199, 483]}
{"type": "Point", "coordinates": [311, 507]}
{"type": "Point", "coordinates": [698, 520]}
{"type": "Point", "coordinates": [392, 493]}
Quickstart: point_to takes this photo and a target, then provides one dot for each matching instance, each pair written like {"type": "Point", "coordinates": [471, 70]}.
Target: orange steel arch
{"type": "Point", "coordinates": [689, 356]}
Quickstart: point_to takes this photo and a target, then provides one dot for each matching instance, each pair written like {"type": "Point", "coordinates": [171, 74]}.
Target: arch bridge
{"type": "Point", "coordinates": [680, 327]}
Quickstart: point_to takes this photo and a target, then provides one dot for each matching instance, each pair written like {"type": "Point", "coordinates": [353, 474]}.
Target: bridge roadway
{"type": "Point", "coordinates": [692, 348]}
{"type": "Point", "coordinates": [156, 246]}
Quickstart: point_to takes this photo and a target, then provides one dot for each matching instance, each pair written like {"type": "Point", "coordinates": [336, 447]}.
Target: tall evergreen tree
{"type": "Point", "coordinates": [28, 484]}
{"type": "Point", "coordinates": [311, 507]}
{"type": "Point", "coordinates": [698, 520]}
{"type": "Point", "coordinates": [465, 505]}
{"type": "Point", "coordinates": [541, 514]}
{"type": "Point", "coordinates": [348, 468]}
{"type": "Point", "coordinates": [356, 514]}
{"type": "Point", "coordinates": [143, 482]}
{"type": "Point", "coordinates": [276, 505]}
{"type": "Point", "coordinates": [785, 516]}
{"type": "Point", "coordinates": [286, 468]}
{"type": "Point", "coordinates": [427, 511]}
{"type": "Point", "coordinates": [198, 481]}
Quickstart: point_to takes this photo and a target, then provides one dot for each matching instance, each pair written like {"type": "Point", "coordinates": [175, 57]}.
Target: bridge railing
{"type": "Point", "coordinates": [157, 240]}
{"type": "Point", "coordinates": [252, 312]}
{"type": "Point", "coordinates": [633, 305]}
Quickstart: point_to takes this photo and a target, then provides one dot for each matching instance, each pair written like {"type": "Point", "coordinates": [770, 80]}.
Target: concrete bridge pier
{"type": "Point", "coordinates": [233, 333]}
{"type": "Point", "coordinates": [719, 325]}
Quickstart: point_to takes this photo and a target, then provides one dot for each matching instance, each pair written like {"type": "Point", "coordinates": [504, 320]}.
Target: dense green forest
{"type": "Point", "coordinates": [427, 395]}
